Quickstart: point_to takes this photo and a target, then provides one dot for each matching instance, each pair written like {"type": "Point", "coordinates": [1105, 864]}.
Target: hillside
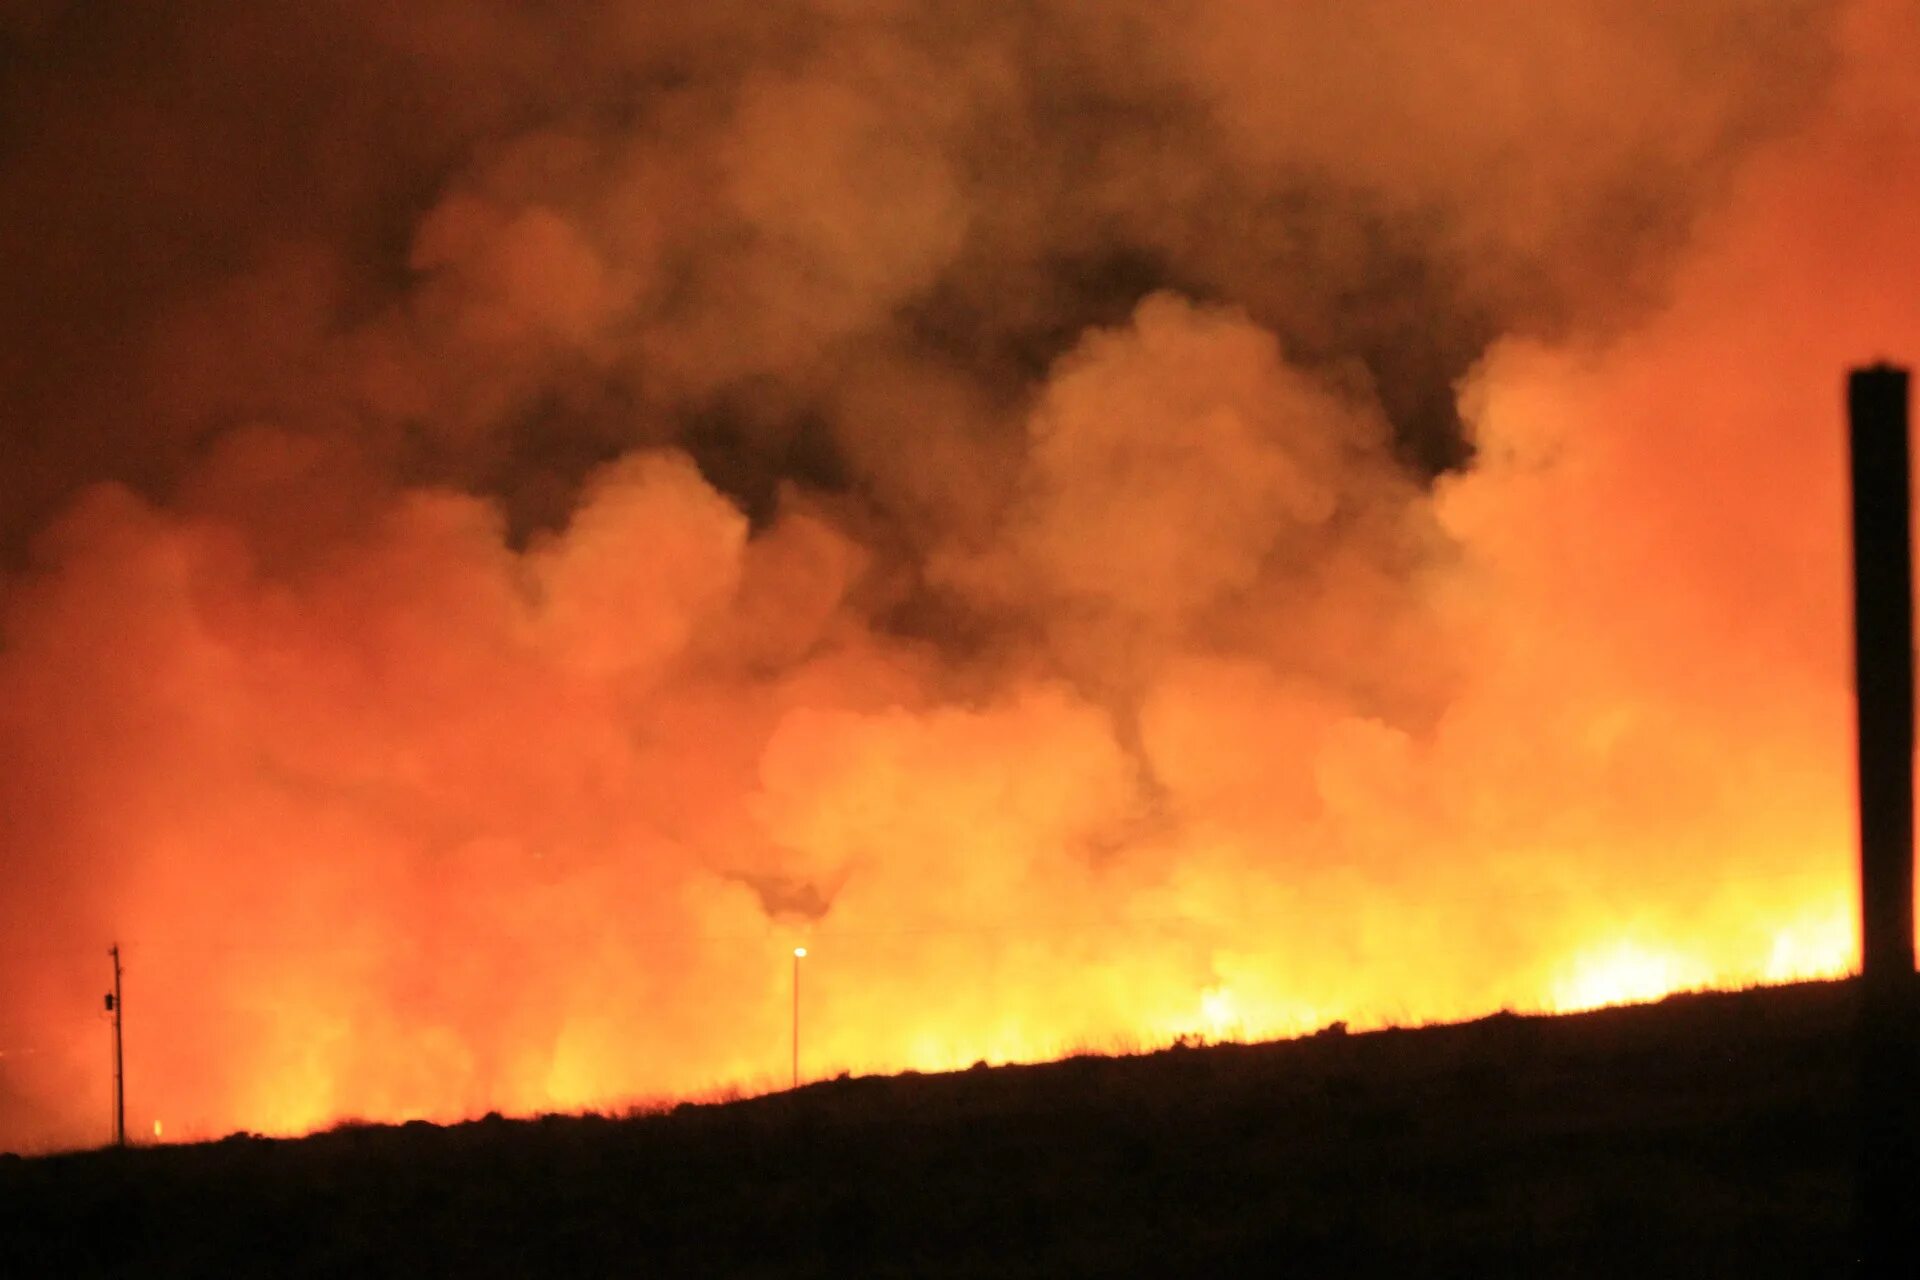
{"type": "Point", "coordinates": [1704, 1135]}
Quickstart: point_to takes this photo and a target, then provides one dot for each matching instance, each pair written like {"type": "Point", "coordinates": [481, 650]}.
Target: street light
{"type": "Point", "coordinates": [799, 954]}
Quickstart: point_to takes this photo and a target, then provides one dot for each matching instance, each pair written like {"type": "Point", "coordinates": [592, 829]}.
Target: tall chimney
{"type": "Point", "coordinates": [1883, 667]}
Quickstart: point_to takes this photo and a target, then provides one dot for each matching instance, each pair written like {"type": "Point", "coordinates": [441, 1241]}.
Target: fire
{"type": "Point", "coordinates": [1216, 1006]}
{"type": "Point", "coordinates": [1215, 566]}
{"type": "Point", "coordinates": [1217, 1013]}
{"type": "Point", "coordinates": [1623, 973]}
{"type": "Point", "coordinates": [1627, 971]}
{"type": "Point", "coordinates": [1820, 944]}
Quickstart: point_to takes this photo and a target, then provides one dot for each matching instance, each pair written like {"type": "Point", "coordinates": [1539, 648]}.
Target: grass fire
{"type": "Point", "coordinates": [574, 558]}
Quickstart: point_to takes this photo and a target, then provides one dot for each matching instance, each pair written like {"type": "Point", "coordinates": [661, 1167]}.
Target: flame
{"type": "Point", "coordinates": [1623, 973]}
{"type": "Point", "coordinates": [1218, 1014]}
{"type": "Point", "coordinates": [1820, 944]}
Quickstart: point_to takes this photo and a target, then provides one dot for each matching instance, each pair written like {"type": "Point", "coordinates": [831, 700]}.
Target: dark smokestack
{"type": "Point", "coordinates": [1883, 667]}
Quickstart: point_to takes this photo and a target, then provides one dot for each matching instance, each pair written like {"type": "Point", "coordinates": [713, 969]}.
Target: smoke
{"type": "Point", "coordinates": [1104, 521]}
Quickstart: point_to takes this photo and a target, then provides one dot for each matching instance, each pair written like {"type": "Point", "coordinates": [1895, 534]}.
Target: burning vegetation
{"type": "Point", "coordinates": [1100, 523]}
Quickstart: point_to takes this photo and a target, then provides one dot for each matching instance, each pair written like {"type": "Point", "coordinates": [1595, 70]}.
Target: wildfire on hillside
{"type": "Point", "coordinates": [1103, 525]}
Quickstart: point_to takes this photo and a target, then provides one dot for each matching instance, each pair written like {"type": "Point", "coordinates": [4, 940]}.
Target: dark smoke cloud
{"type": "Point", "coordinates": [496, 247]}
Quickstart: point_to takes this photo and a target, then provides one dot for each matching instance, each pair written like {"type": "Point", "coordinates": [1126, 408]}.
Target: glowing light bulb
{"type": "Point", "coordinates": [799, 953]}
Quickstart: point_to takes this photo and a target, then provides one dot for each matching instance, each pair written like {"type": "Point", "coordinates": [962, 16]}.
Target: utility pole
{"type": "Point", "coordinates": [1883, 683]}
{"type": "Point", "coordinates": [799, 954]}
{"type": "Point", "coordinates": [119, 1061]}
{"type": "Point", "coordinates": [1883, 668]}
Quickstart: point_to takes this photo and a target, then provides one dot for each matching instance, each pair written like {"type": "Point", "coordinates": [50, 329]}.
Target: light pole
{"type": "Point", "coordinates": [119, 1070]}
{"type": "Point", "coordinates": [799, 954]}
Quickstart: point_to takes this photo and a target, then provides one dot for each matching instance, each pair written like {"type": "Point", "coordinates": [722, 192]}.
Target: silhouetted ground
{"type": "Point", "coordinates": [1703, 1136]}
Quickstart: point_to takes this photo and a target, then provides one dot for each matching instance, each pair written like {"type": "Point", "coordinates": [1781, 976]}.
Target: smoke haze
{"type": "Point", "coordinates": [1103, 520]}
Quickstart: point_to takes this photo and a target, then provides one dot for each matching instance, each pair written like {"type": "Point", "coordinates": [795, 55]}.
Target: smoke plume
{"type": "Point", "coordinates": [1101, 521]}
